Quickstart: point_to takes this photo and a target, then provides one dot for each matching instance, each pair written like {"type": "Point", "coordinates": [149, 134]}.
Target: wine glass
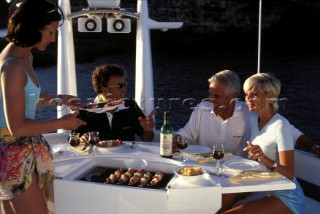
{"type": "Point", "coordinates": [93, 141]}
{"type": "Point", "coordinates": [74, 141]}
{"type": "Point", "coordinates": [182, 143]}
{"type": "Point", "coordinates": [218, 154]}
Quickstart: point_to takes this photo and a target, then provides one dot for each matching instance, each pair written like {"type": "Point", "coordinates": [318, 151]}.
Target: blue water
{"type": "Point", "coordinates": [180, 81]}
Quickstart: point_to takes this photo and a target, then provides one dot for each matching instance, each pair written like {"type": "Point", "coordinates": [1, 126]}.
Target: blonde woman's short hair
{"type": "Point", "coordinates": [268, 83]}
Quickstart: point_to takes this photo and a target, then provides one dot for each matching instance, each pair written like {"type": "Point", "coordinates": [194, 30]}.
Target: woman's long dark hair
{"type": "Point", "coordinates": [27, 21]}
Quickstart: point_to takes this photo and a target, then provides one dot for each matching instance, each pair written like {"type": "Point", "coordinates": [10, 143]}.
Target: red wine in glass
{"type": "Point", "coordinates": [74, 141]}
{"type": "Point", "coordinates": [182, 143]}
{"type": "Point", "coordinates": [218, 154]}
{"type": "Point", "coordinates": [93, 140]}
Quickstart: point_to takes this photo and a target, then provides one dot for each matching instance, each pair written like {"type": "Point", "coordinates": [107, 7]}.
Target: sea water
{"type": "Point", "coordinates": [181, 82]}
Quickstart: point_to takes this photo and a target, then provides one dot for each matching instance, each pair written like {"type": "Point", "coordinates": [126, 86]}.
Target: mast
{"type": "Point", "coordinates": [144, 73]}
{"type": "Point", "coordinates": [259, 35]}
{"type": "Point", "coordinates": [66, 71]}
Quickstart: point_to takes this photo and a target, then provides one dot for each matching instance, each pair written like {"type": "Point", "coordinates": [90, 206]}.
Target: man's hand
{"type": "Point", "coordinates": [147, 123]}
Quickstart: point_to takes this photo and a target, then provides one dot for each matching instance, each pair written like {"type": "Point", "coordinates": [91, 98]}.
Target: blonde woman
{"type": "Point", "coordinates": [272, 145]}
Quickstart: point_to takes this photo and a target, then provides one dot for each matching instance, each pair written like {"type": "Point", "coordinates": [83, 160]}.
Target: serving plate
{"type": "Point", "coordinates": [99, 107]}
{"type": "Point", "coordinates": [107, 108]}
{"type": "Point", "coordinates": [241, 164]}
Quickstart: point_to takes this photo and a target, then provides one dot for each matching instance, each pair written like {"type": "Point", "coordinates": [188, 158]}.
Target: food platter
{"type": "Point", "coordinates": [241, 164]}
{"type": "Point", "coordinates": [107, 108]}
{"type": "Point", "coordinates": [111, 144]}
{"type": "Point", "coordinates": [99, 107]}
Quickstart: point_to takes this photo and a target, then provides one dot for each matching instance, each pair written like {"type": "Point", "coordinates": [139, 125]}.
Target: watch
{"type": "Point", "coordinates": [275, 164]}
{"type": "Point", "coordinates": [58, 100]}
{"type": "Point", "coordinates": [314, 148]}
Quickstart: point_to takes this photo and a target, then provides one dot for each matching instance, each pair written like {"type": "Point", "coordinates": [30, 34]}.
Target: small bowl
{"type": "Point", "coordinates": [196, 173]}
{"type": "Point", "coordinates": [136, 163]}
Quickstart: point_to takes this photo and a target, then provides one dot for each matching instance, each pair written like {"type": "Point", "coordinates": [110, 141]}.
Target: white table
{"type": "Point", "coordinates": [206, 196]}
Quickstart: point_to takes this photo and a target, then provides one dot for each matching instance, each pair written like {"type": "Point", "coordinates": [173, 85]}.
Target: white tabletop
{"type": "Point", "coordinates": [175, 198]}
{"type": "Point", "coordinates": [150, 150]}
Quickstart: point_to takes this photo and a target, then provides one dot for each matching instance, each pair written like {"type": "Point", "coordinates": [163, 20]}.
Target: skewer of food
{"type": "Point", "coordinates": [145, 179]}
{"type": "Point", "coordinates": [114, 177]}
{"type": "Point", "coordinates": [135, 179]}
{"type": "Point", "coordinates": [124, 178]}
{"type": "Point", "coordinates": [156, 178]}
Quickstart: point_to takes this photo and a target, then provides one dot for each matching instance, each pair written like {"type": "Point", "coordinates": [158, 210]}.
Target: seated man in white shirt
{"type": "Point", "coordinates": [223, 119]}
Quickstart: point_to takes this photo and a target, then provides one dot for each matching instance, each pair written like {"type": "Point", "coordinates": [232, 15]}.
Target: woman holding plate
{"type": "Point", "coordinates": [272, 145]}
{"type": "Point", "coordinates": [26, 167]}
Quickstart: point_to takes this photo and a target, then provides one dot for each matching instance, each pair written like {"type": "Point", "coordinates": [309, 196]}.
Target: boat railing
{"type": "Point", "coordinates": [102, 12]}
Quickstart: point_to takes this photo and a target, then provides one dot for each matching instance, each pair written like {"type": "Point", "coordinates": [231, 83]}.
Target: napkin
{"type": "Point", "coordinates": [203, 159]}
{"type": "Point", "coordinates": [248, 176]}
{"type": "Point", "coordinates": [85, 151]}
{"type": "Point", "coordinates": [56, 151]}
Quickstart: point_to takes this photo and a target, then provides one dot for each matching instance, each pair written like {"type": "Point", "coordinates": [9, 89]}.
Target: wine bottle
{"type": "Point", "coordinates": [166, 135]}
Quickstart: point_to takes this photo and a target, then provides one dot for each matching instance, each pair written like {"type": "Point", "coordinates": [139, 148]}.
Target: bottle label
{"type": "Point", "coordinates": [165, 144]}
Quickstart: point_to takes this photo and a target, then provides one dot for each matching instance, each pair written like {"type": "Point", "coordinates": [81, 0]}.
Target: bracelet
{"type": "Point", "coordinates": [315, 147]}
{"type": "Point", "coordinates": [58, 100]}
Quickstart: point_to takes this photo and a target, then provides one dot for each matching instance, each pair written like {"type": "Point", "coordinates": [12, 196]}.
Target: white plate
{"type": "Point", "coordinates": [112, 147]}
{"type": "Point", "coordinates": [107, 108]}
{"type": "Point", "coordinates": [95, 110]}
{"type": "Point", "coordinates": [241, 164]}
{"type": "Point", "coordinates": [197, 149]}
{"type": "Point", "coordinates": [101, 110]}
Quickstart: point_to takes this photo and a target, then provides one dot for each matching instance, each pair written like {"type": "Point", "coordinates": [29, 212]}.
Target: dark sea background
{"type": "Point", "coordinates": [181, 74]}
{"type": "Point", "coordinates": [217, 35]}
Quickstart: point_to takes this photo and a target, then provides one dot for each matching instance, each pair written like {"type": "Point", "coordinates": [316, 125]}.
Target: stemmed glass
{"type": "Point", "coordinates": [74, 141]}
{"type": "Point", "coordinates": [182, 143]}
{"type": "Point", "coordinates": [218, 154]}
{"type": "Point", "coordinates": [93, 141]}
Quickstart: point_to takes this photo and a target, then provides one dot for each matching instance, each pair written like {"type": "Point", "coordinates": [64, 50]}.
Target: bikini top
{"type": "Point", "coordinates": [32, 94]}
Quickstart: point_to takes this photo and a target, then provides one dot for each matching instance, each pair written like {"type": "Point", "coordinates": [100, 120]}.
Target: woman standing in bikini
{"type": "Point", "coordinates": [26, 166]}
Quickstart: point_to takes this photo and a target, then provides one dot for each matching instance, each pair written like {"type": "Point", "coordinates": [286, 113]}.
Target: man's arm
{"type": "Point", "coordinates": [306, 144]}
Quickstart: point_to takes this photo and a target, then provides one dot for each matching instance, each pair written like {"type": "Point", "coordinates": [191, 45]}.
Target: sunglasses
{"type": "Point", "coordinates": [120, 85]}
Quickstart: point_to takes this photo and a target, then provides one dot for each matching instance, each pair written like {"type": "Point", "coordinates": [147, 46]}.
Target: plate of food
{"type": "Point", "coordinates": [110, 106]}
{"type": "Point", "coordinates": [101, 107]}
{"type": "Point", "coordinates": [91, 107]}
{"type": "Point", "coordinates": [190, 173]}
{"type": "Point", "coordinates": [110, 144]}
{"type": "Point", "coordinates": [241, 164]}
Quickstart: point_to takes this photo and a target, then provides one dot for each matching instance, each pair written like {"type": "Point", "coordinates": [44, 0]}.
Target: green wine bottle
{"type": "Point", "coordinates": [166, 135]}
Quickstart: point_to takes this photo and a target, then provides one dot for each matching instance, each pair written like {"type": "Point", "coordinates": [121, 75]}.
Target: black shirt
{"type": "Point", "coordinates": [125, 123]}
